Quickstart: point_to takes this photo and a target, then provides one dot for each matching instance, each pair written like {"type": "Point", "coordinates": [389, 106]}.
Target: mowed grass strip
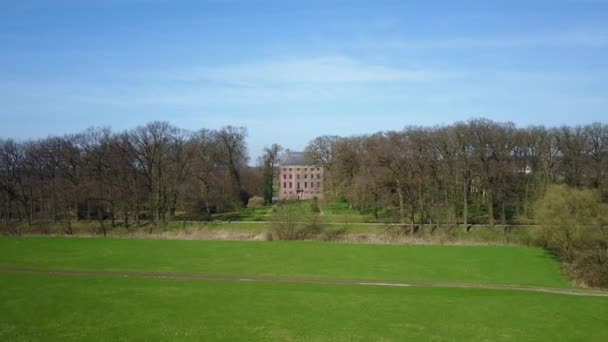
{"type": "Point", "coordinates": [465, 264]}
{"type": "Point", "coordinates": [55, 308]}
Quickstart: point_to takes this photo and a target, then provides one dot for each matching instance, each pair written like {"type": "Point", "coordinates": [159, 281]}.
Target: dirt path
{"type": "Point", "coordinates": [301, 280]}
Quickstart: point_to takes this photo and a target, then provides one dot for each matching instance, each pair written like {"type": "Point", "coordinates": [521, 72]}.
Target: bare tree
{"type": "Point", "coordinates": [469, 172]}
{"type": "Point", "coordinates": [269, 160]}
{"type": "Point", "coordinates": [233, 149]}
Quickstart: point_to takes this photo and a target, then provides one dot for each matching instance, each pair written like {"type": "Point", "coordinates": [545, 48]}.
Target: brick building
{"type": "Point", "coordinates": [297, 179]}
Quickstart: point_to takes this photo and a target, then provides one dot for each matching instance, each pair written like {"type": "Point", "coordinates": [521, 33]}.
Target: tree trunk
{"type": "Point", "coordinates": [112, 207]}
{"type": "Point", "coordinates": [421, 204]}
{"type": "Point", "coordinates": [526, 191]}
{"type": "Point", "coordinates": [137, 207]}
{"type": "Point", "coordinates": [125, 212]}
{"type": "Point", "coordinates": [465, 204]}
{"type": "Point", "coordinates": [401, 203]}
{"type": "Point", "coordinates": [173, 205]}
{"type": "Point", "coordinates": [490, 205]}
{"type": "Point", "coordinates": [207, 208]}
{"type": "Point", "coordinates": [503, 214]}
{"type": "Point", "coordinates": [152, 211]}
{"type": "Point", "coordinates": [31, 200]}
{"type": "Point", "coordinates": [101, 221]}
{"type": "Point", "coordinates": [412, 225]}
{"type": "Point", "coordinates": [67, 221]}
{"type": "Point", "coordinates": [376, 205]}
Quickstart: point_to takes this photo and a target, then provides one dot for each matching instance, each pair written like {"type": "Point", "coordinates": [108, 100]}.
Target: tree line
{"type": "Point", "coordinates": [478, 171]}
{"type": "Point", "coordinates": [146, 175]}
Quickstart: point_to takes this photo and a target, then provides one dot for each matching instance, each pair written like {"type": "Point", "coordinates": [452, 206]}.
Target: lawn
{"type": "Point", "coordinates": [332, 212]}
{"type": "Point", "coordinates": [473, 264]}
{"type": "Point", "coordinates": [245, 214]}
{"type": "Point", "coordinates": [104, 307]}
{"type": "Point", "coordinates": [85, 308]}
{"type": "Point", "coordinates": [341, 212]}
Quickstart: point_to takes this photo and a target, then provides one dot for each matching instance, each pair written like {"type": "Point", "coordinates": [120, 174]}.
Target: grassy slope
{"type": "Point", "coordinates": [493, 265]}
{"type": "Point", "coordinates": [341, 212]}
{"type": "Point", "coordinates": [82, 308]}
{"type": "Point", "coordinates": [245, 214]}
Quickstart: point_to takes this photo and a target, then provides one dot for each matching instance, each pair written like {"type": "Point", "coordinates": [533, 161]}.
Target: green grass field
{"type": "Point", "coordinates": [473, 264]}
{"type": "Point", "coordinates": [40, 306]}
{"type": "Point", "coordinates": [332, 212]}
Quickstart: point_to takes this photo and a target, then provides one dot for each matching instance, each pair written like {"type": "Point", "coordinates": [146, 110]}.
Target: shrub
{"type": "Point", "coordinates": [314, 205]}
{"type": "Point", "coordinates": [255, 202]}
{"type": "Point", "coordinates": [313, 225]}
{"type": "Point", "coordinates": [572, 225]}
{"type": "Point", "coordinates": [590, 266]}
{"type": "Point", "coordinates": [568, 217]}
{"type": "Point", "coordinates": [289, 223]}
{"type": "Point", "coordinates": [284, 223]}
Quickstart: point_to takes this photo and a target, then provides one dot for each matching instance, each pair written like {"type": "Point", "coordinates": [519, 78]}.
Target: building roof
{"type": "Point", "coordinates": [294, 158]}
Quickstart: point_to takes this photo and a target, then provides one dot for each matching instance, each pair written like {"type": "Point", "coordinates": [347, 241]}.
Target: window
{"type": "Point", "coordinates": [289, 169]}
{"type": "Point", "coordinates": [284, 176]}
{"type": "Point", "coordinates": [284, 184]}
{"type": "Point", "coordinates": [284, 169]}
{"type": "Point", "coordinates": [290, 176]}
{"type": "Point", "coordinates": [298, 169]}
{"type": "Point", "coordinates": [298, 185]}
{"type": "Point", "coordinates": [290, 185]}
{"type": "Point", "coordinates": [306, 184]}
{"type": "Point", "coordinates": [305, 169]}
{"type": "Point", "coordinates": [318, 176]}
{"type": "Point", "coordinates": [317, 169]}
{"type": "Point", "coordinates": [305, 176]}
{"type": "Point", "coordinates": [312, 184]}
{"type": "Point", "coordinates": [318, 184]}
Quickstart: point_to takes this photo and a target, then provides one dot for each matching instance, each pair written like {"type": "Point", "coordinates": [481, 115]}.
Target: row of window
{"type": "Point", "coordinates": [305, 176]}
{"type": "Point", "coordinates": [312, 185]}
{"type": "Point", "coordinates": [306, 192]}
{"type": "Point", "coordinates": [298, 169]}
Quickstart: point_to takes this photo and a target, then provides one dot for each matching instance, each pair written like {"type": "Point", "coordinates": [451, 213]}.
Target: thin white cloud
{"type": "Point", "coordinates": [589, 38]}
{"type": "Point", "coordinates": [301, 81]}
{"type": "Point", "coordinates": [321, 70]}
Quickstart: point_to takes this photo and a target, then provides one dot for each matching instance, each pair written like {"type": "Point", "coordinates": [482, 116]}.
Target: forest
{"type": "Point", "coordinates": [152, 173]}
{"type": "Point", "coordinates": [474, 172]}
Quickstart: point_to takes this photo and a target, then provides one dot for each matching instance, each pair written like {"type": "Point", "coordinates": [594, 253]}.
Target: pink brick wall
{"type": "Point", "coordinates": [310, 179]}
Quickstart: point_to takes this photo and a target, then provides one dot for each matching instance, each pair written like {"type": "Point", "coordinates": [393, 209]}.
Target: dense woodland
{"type": "Point", "coordinates": [478, 171]}
{"type": "Point", "coordinates": [149, 174]}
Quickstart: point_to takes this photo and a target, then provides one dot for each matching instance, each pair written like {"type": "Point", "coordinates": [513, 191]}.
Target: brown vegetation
{"type": "Point", "coordinates": [476, 172]}
{"type": "Point", "coordinates": [148, 174]}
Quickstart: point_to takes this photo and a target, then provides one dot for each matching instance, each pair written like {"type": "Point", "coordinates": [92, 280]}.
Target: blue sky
{"type": "Point", "coordinates": [294, 70]}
